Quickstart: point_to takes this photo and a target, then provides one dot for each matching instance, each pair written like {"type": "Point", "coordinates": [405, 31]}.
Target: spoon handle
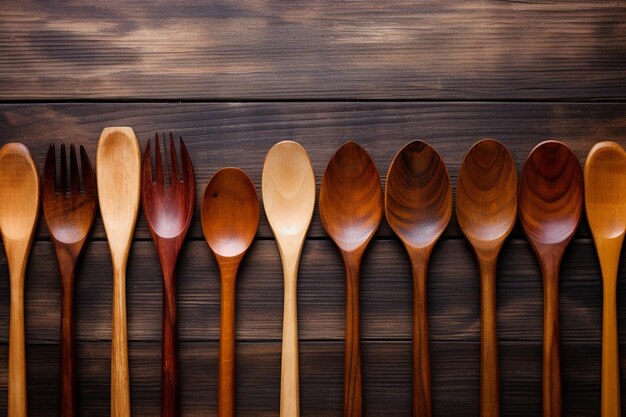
{"type": "Point", "coordinates": [120, 389]}
{"type": "Point", "coordinates": [422, 406]}
{"type": "Point", "coordinates": [67, 391]}
{"type": "Point", "coordinates": [169, 359]}
{"type": "Point", "coordinates": [489, 379]}
{"type": "Point", "coordinates": [551, 357]}
{"type": "Point", "coordinates": [289, 374]}
{"type": "Point", "coordinates": [17, 348]}
{"type": "Point", "coordinates": [352, 394]}
{"type": "Point", "coordinates": [609, 260]}
{"type": "Point", "coordinates": [226, 379]}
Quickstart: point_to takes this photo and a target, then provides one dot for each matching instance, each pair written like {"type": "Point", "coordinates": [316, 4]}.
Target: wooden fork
{"type": "Point", "coordinates": [168, 209]}
{"type": "Point", "coordinates": [69, 215]}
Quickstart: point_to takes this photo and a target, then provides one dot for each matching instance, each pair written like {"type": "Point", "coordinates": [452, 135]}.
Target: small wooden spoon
{"type": "Point", "coordinates": [288, 187]}
{"type": "Point", "coordinates": [605, 201]}
{"type": "Point", "coordinates": [19, 209]}
{"type": "Point", "coordinates": [118, 161]}
{"type": "Point", "coordinates": [351, 207]}
{"type": "Point", "coordinates": [418, 202]}
{"type": "Point", "coordinates": [550, 206]}
{"type": "Point", "coordinates": [230, 217]}
{"type": "Point", "coordinates": [486, 208]}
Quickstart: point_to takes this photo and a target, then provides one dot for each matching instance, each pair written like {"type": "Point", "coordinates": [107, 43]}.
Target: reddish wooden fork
{"type": "Point", "coordinates": [69, 215]}
{"type": "Point", "coordinates": [168, 208]}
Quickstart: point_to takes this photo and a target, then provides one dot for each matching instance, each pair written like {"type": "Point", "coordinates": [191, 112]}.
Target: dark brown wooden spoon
{"type": "Point", "coordinates": [351, 208]}
{"type": "Point", "coordinates": [230, 217]}
{"type": "Point", "coordinates": [486, 208]}
{"type": "Point", "coordinates": [168, 207]}
{"type": "Point", "coordinates": [69, 215]}
{"type": "Point", "coordinates": [418, 203]}
{"type": "Point", "coordinates": [550, 205]}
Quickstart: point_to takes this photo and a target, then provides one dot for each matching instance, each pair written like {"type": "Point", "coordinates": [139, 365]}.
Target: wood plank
{"type": "Point", "coordinates": [385, 294]}
{"type": "Point", "coordinates": [386, 377]}
{"type": "Point", "coordinates": [240, 134]}
{"type": "Point", "coordinates": [320, 49]}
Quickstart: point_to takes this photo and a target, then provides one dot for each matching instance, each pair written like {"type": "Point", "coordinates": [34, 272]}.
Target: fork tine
{"type": "Point", "coordinates": [174, 178]}
{"type": "Point", "coordinates": [74, 175]}
{"type": "Point", "coordinates": [63, 185]}
{"type": "Point", "coordinates": [89, 179]}
{"type": "Point", "coordinates": [158, 163]}
{"type": "Point", "coordinates": [50, 171]}
{"type": "Point", "coordinates": [187, 166]}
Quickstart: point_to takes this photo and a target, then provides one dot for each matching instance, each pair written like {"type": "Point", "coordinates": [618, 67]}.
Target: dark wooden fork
{"type": "Point", "coordinates": [168, 208]}
{"type": "Point", "coordinates": [69, 215]}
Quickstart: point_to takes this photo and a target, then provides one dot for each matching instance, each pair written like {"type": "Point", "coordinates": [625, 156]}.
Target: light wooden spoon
{"type": "Point", "coordinates": [418, 202]}
{"type": "Point", "coordinates": [486, 208]}
{"type": "Point", "coordinates": [288, 187]}
{"type": "Point", "coordinates": [118, 160]}
{"type": "Point", "coordinates": [19, 209]}
{"type": "Point", "coordinates": [351, 208]}
{"type": "Point", "coordinates": [605, 201]}
{"type": "Point", "coordinates": [550, 205]}
{"type": "Point", "coordinates": [230, 217]}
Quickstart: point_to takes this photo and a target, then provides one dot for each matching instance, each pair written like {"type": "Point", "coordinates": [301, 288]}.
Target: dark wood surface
{"type": "Point", "coordinates": [233, 79]}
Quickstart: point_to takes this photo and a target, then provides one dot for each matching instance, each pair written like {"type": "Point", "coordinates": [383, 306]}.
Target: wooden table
{"type": "Point", "coordinates": [233, 78]}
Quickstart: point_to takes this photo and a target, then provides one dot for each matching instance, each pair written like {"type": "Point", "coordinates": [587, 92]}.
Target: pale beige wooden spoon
{"type": "Point", "coordinates": [288, 187]}
{"type": "Point", "coordinates": [605, 202]}
{"type": "Point", "coordinates": [118, 160]}
{"type": "Point", "coordinates": [19, 209]}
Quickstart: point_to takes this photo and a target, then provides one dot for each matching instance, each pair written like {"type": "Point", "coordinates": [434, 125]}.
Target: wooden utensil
{"type": "Point", "coordinates": [118, 161]}
{"type": "Point", "coordinates": [19, 209]}
{"type": "Point", "coordinates": [168, 203]}
{"type": "Point", "coordinates": [605, 201]}
{"type": "Point", "coordinates": [351, 207]}
{"type": "Point", "coordinates": [230, 217]}
{"type": "Point", "coordinates": [288, 187]}
{"type": "Point", "coordinates": [418, 202]}
{"type": "Point", "coordinates": [486, 208]}
{"type": "Point", "coordinates": [550, 206]}
{"type": "Point", "coordinates": [69, 215]}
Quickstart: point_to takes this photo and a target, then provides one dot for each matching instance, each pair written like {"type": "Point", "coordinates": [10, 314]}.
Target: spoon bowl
{"type": "Point", "coordinates": [418, 203]}
{"type": "Point", "coordinates": [550, 206]}
{"type": "Point", "coordinates": [231, 209]}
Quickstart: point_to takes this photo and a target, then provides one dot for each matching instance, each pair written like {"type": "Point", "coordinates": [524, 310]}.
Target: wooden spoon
{"type": "Point", "coordinates": [168, 207]}
{"type": "Point", "coordinates": [486, 208]}
{"type": "Point", "coordinates": [351, 207]}
{"type": "Point", "coordinates": [418, 202]}
{"type": "Point", "coordinates": [69, 215]}
{"type": "Point", "coordinates": [118, 161]}
{"type": "Point", "coordinates": [550, 206]}
{"type": "Point", "coordinates": [288, 186]}
{"type": "Point", "coordinates": [605, 201]}
{"type": "Point", "coordinates": [230, 217]}
{"type": "Point", "coordinates": [19, 209]}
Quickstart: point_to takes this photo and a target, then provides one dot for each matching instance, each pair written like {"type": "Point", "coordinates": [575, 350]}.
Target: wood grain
{"type": "Point", "coordinates": [214, 132]}
{"type": "Point", "coordinates": [313, 50]}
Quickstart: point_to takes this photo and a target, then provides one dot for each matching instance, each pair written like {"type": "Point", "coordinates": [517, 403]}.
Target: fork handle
{"type": "Point", "coordinates": [67, 392]}
{"type": "Point", "coordinates": [169, 361]}
{"type": "Point", "coordinates": [120, 384]}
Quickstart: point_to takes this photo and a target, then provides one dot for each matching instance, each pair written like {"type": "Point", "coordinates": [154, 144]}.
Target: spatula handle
{"type": "Point", "coordinates": [489, 379]}
{"type": "Point", "coordinates": [169, 358]}
{"type": "Point", "coordinates": [421, 354]}
{"type": "Point", "coordinates": [67, 389]}
{"type": "Point", "coordinates": [17, 350]}
{"type": "Point", "coordinates": [120, 387]}
{"type": "Point", "coordinates": [289, 373]}
{"type": "Point", "coordinates": [552, 399]}
{"type": "Point", "coordinates": [226, 395]}
{"type": "Point", "coordinates": [352, 382]}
